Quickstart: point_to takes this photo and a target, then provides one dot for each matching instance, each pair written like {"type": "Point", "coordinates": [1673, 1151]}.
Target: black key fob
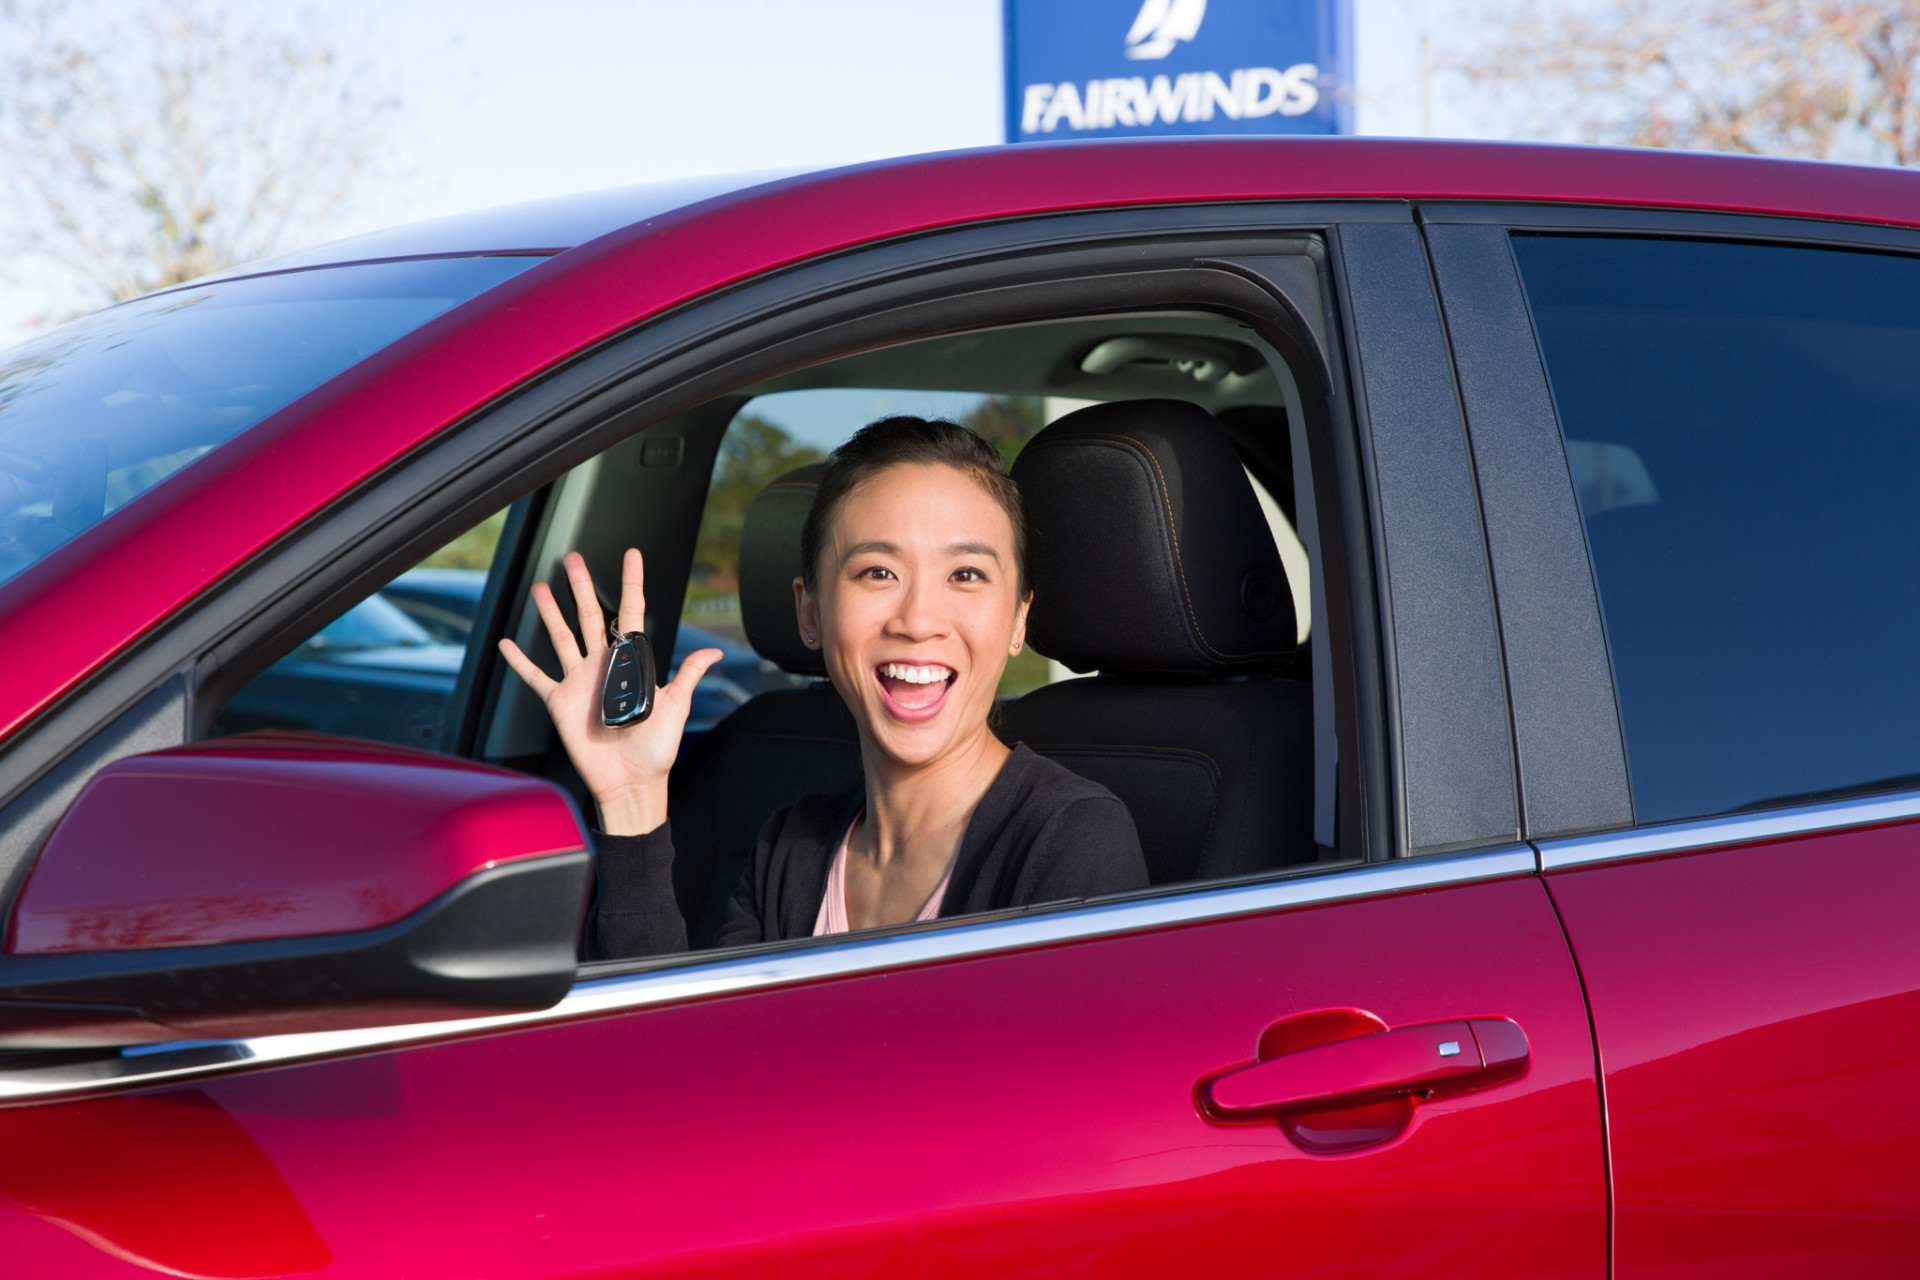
{"type": "Point", "coordinates": [627, 696]}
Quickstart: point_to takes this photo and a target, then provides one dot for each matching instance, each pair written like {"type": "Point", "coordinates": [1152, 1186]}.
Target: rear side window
{"type": "Point", "coordinates": [1743, 428]}
{"type": "Point", "coordinates": [101, 410]}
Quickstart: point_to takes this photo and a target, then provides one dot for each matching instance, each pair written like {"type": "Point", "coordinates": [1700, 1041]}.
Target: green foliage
{"type": "Point", "coordinates": [1007, 422]}
{"type": "Point", "coordinates": [472, 549]}
{"type": "Point", "coordinates": [753, 453]}
{"type": "Point", "coordinates": [1026, 671]}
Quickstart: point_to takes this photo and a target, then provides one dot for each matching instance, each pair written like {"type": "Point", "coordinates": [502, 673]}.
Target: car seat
{"type": "Point", "coordinates": [1153, 566]}
{"type": "Point", "coordinates": [779, 746]}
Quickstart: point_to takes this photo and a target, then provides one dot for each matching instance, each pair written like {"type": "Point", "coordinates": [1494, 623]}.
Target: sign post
{"type": "Point", "coordinates": [1138, 68]}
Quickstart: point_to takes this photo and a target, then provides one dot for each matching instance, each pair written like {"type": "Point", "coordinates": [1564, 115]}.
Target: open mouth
{"type": "Point", "coordinates": [914, 690]}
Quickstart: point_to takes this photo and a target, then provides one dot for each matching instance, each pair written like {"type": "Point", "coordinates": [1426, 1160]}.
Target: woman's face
{"type": "Point", "coordinates": [918, 608]}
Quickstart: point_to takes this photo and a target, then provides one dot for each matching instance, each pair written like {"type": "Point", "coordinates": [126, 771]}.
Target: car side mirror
{"type": "Point", "coordinates": [279, 882]}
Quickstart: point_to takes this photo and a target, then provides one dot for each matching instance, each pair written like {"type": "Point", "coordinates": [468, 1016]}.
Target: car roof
{"type": "Point", "coordinates": [551, 225]}
{"type": "Point", "coordinates": [1275, 168]}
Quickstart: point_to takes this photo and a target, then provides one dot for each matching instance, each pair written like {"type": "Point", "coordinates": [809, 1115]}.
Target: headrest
{"type": "Point", "coordinates": [1150, 553]}
{"type": "Point", "coordinates": [769, 562]}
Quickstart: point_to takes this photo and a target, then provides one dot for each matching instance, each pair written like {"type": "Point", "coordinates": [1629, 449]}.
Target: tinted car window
{"type": "Point", "coordinates": [99, 411]}
{"type": "Point", "coordinates": [1743, 427]}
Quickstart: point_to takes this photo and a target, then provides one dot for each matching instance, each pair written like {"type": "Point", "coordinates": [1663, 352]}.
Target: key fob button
{"type": "Point", "coordinates": [626, 694]}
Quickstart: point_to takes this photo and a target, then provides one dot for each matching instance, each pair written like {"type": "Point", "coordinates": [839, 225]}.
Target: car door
{"type": "Point", "coordinates": [1722, 445]}
{"type": "Point", "coordinates": [929, 1104]}
{"type": "Point", "coordinates": [1412, 1083]}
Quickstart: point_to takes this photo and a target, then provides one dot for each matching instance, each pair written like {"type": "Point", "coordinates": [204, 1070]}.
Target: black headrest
{"type": "Point", "coordinates": [1150, 552]}
{"type": "Point", "coordinates": [769, 562]}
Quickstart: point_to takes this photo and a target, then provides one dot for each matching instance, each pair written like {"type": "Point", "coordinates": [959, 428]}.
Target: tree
{"type": "Point", "coordinates": [753, 452]}
{"type": "Point", "coordinates": [1826, 79]}
{"type": "Point", "coordinates": [147, 143]}
{"type": "Point", "coordinates": [1007, 422]}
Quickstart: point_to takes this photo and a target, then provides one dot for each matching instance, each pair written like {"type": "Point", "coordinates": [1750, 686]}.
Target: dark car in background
{"type": "Point", "coordinates": [372, 672]}
{"type": "Point", "coordinates": [386, 668]}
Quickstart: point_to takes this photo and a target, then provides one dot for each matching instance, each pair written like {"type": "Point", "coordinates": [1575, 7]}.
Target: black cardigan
{"type": "Point", "coordinates": [1041, 833]}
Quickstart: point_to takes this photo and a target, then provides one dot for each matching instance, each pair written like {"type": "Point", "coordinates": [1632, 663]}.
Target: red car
{"type": "Point", "coordinates": [1549, 909]}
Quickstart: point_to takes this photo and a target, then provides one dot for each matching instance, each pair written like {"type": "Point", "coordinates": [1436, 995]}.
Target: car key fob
{"type": "Point", "coordinates": [627, 695]}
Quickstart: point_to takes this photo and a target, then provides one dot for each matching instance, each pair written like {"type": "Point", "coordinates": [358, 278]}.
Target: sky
{"type": "Point", "coordinates": [503, 102]}
{"type": "Point", "coordinates": [601, 93]}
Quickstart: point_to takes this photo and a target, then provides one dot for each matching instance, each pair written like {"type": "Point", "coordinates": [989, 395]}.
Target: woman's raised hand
{"type": "Point", "coordinates": [626, 768]}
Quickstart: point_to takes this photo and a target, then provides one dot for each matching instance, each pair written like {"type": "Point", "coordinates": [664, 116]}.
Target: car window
{"type": "Point", "coordinates": [1217, 774]}
{"type": "Point", "coordinates": [1742, 426]}
{"type": "Point", "coordinates": [387, 668]}
{"type": "Point", "coordinates": [100, 410]}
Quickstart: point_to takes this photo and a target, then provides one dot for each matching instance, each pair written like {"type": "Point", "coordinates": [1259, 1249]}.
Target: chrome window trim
{"type": "Point", "coordinates": [150, 1065]}
{"type": "Point", "coordinates": [1710, 833]}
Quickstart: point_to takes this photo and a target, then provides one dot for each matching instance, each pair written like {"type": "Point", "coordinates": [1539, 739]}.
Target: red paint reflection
{"type": "Point", "coordinates": [167, 1181]}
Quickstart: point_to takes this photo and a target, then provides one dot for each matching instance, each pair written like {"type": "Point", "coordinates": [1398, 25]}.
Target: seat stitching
{"type": "Point", "coordinates": [1134, 746]}
{"type": "Point", "coordinates": [1179, 562]}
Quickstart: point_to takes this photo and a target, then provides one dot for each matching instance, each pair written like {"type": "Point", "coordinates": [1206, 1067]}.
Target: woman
{"type": "Point", "coordinates": [915, 587]}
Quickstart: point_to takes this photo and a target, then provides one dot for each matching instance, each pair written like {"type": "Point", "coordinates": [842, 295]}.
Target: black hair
{"type": "Point", "coordinates": [893, 441]}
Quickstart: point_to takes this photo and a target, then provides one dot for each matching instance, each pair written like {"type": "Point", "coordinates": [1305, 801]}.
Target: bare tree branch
{"type": "Point", "coordinates": [1830, 79]}
{"type": "Point", "coordinates": [149, 143]}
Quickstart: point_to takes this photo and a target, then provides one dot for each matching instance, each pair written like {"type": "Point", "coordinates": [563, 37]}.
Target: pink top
{"type": "Point", "coordinates": [833, 908]}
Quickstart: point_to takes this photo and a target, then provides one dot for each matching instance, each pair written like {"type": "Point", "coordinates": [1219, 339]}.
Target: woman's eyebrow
{"type": "Point", "coordinates": [892, 549]}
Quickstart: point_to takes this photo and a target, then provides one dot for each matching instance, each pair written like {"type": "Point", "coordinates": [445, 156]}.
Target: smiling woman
{"type": "Point", "coordinates": [914, 587]}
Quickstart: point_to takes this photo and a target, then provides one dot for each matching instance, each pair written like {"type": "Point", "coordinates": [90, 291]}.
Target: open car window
{"type": "Point", "coordinates": [1217, 768]}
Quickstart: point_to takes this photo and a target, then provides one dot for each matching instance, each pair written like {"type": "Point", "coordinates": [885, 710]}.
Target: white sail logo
{"type": "Point", "coordinates": [1162, 24]}
{"type": "Point", "coordinates": [1179, 98]}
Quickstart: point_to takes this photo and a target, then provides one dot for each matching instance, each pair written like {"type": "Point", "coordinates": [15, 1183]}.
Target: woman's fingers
{"type": "Point", "coordinates": [539, 681]}
{"type": "Point", "coordinates": [593, 623]}
{"type": "Point", "coordinates": [692, 667]}
{"type": "Point", "coordinates": [564, 643]}
{"type": "Point", "coordinates": [633, 592]}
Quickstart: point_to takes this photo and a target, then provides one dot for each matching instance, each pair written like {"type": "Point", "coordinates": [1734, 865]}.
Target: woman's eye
{"type": "Point", "coordinates": [969, 575]}
{"type": "Point", "coordinates": [874, 572]}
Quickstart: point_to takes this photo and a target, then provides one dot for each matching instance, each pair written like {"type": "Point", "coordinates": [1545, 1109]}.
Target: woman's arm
{"type": "Point", "coordinates": [625, 769]}
{"type": "Point", "coordinates": [634, 909]}
{"type": "Point", "coordinates": [1088, 849]}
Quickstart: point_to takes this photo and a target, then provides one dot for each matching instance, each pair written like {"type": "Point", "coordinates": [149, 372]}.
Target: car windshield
{"type": "Point", "coordinates": [100, 410]}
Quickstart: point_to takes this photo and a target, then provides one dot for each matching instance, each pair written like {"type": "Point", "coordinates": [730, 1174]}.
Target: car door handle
{"type": "Point", "coordinates": [1435, 1059]}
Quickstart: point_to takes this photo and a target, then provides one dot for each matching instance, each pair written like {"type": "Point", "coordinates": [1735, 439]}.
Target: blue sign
{"type": "Point", "coordinates": [1134, 68]}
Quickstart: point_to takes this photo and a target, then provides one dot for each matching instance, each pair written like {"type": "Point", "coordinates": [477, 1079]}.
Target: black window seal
{"type": "Point", "coordinates": [1569, 748]}
{"type": "Point", "coordinates": [1672, 223]}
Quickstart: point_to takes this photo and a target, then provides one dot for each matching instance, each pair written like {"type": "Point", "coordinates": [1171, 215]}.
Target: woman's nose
{"type": "Point", "coordinates": [918, 616]}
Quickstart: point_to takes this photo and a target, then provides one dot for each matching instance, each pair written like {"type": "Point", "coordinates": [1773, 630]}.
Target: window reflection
{"type": "Point", "coordinates": [101, 410]}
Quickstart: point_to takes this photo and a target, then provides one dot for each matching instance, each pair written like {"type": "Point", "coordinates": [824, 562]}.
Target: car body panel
{"type": "Point", "coordinates": [869, 1126]}
{"type": "Point", "coordinates": [1757, 1008]}
{"type": "Point", "coordinates": [155, 554]}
